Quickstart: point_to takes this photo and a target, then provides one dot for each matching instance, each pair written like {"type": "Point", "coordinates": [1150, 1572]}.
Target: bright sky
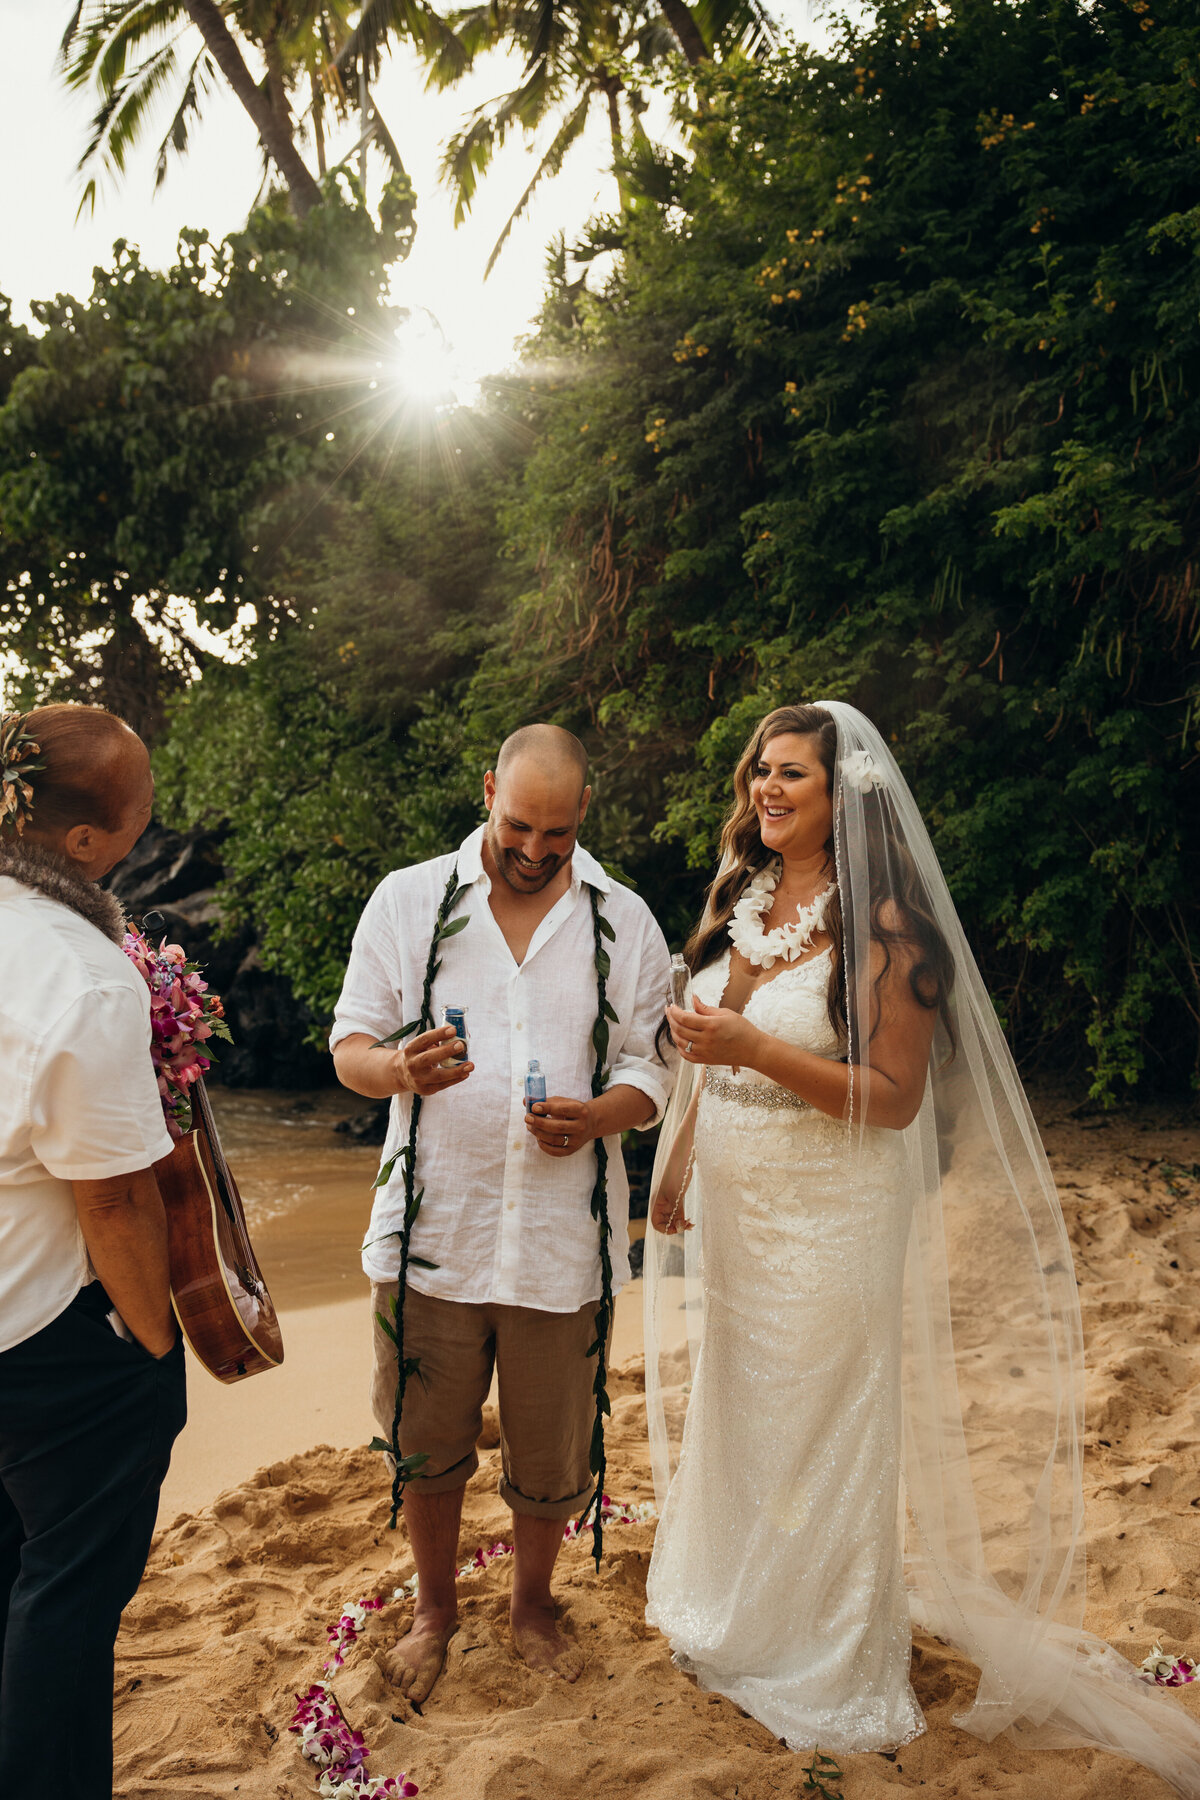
{"type": "Point", "coordinates": [44, 250]}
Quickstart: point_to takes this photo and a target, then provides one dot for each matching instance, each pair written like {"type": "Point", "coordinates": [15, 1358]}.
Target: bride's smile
{"type": "Point", "coordinates": [790, 792]}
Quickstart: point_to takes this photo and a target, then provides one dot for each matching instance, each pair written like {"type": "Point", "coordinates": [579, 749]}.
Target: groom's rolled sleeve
{"type": "Point", "coordinates": [372, 1001]}
{"type": "Point", "coordinates": [639, 1064]}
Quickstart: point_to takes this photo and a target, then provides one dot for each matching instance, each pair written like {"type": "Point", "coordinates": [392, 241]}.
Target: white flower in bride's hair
{"type": "Point", "coordinates": [860, 771]}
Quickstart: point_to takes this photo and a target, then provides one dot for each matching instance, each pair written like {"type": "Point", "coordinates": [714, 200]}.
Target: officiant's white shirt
{"type": "Point", "coordinates": [504, 1222]}
{"type": "Point", "coordinates": [78, 1098]}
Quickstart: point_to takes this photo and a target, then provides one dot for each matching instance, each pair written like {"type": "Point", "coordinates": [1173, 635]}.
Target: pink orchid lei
{"type": "Point", "coordinates": [1169, 1671]}
{"type": "Point", "coordinates": [325, 1737]}
{"type": "Point", "coordinates": [339, 1753]}
{"type": "Point", "coordinates": [184, 1019]}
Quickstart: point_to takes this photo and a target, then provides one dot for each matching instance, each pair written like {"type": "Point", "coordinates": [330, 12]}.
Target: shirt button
{"type": "Point", "coordinates": [519, 1026]}
{"type": "Point", "coordinates": [511, 1206]}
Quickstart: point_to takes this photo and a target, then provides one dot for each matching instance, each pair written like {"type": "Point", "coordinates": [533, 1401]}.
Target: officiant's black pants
{"type": "Point", "coordinates": [86, 1427]}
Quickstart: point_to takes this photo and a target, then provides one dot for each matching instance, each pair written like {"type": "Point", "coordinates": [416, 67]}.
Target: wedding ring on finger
{"type": "Point", "coordinates": [565, 1141]}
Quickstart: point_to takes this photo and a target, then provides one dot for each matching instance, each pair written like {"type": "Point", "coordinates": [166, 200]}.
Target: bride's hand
{"type": "Point", "coordinates": [666, 1211]}
{"type": "Point", "coordinates": [712, 1034]}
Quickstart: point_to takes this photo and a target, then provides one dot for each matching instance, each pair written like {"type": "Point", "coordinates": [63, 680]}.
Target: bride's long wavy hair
{"type": "Point", "coordinates": [895, 886]}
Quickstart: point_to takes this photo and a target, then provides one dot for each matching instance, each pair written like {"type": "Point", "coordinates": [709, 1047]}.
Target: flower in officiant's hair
{"type": "Point", "coordinates": [861, 772]}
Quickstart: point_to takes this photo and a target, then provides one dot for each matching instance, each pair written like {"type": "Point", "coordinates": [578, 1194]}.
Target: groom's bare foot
{"type": "Point", "coordinates": [543, 1646]}
{"type": "Point", "coordinates": [414, 1664]}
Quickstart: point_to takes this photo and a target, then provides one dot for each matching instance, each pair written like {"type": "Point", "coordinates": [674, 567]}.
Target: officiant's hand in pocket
{"type": "Point", "coordinates": [560, 1126]}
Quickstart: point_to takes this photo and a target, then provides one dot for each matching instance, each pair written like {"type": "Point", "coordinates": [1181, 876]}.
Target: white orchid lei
{"type": "Point", "coordinates": [326, 1739]}
{"type": "Point", "coordinates": [761, 948]}
{"type": "Point", "coordinates": [1168, 1671]}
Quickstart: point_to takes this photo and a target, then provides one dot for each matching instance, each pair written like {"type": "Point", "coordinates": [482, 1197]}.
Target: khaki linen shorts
{"type": "Point", "coordinates": [545, 1378]}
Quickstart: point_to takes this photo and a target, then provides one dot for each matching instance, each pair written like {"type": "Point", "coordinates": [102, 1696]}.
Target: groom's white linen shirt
{"type": "Point", "coordinates": [504, 1222]}
{"type": "Point", "coordinates": [78, 1096]}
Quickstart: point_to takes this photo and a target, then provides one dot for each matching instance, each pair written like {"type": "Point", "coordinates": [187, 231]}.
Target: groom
{"type": "Point", "coordinates": [510, 1272]}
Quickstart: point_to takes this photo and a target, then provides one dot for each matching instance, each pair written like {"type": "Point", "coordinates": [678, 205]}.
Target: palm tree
{"type": "Point", "coordinates": [593, 57]}
{"type": "Point", "coordinates": [578, 53]}
{"type": "Point", "coordinates": [132, 51]}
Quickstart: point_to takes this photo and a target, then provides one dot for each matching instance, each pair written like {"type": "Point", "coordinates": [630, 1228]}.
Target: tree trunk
{"type": "Point", "coordinates": [276, 86]}
{"type": "Point", "coordinates": [318, 113]}
{"type": "Point", "coordinates": [679, 18]}
{"type": "Point", "coordinates": [612, 91]}
{"type": "Point", "coordinates": [275, 136]}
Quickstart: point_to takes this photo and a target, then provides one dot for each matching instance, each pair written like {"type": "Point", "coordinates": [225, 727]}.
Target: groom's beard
{"type": "Point", "coordinates": [523, 876]}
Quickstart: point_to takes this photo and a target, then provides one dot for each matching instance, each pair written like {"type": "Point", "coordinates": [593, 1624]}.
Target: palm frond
{"type": "Point", "coordinates": [68, 36]}
{"type": "Point", "coordinates": [471, 33]}
{"type": "Point", "coordinates": [653, 42]}
{"type": "Point", "coordinates": [106, 43]}
{"type": "Point", "coordinates": [542, 42]}
{"type": "Point", "coordinates": [737, 25]}
{"type": "Point", "coordinates": [469, 153]}
{"type": "Point", "coordinates": [387, 142]}
{"type": "Point", "coordinates": [116, 125]}
{"type": "Point", "coordinates": [383, 21]}
{"type": "Point", "coordinates": [478, 28]}
{"type": "Point", "coordinates": [568, 133]}
{"type": "Point", "coordinates": [467, 156]}
{"type": "Point", "coordinates": [196, 88]}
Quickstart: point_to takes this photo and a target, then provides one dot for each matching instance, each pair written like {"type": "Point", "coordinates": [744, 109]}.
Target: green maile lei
{"type": "Point", "coordinates": [407, 1466]}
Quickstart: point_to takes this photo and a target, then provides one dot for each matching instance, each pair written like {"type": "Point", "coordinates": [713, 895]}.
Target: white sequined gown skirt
{"type": "Point", "coordinates": [777, 1570]}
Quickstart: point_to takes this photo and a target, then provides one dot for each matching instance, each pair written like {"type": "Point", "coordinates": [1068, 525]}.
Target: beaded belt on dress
{"type": "Point", "coordinates": [756, 1093]}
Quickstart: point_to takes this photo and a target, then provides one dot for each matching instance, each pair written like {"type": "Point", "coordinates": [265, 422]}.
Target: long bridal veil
{"type": "Point", "coordinates": [992, 1496]}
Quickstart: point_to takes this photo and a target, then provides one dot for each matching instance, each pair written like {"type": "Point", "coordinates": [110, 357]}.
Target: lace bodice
{"type": "Point", "coordinates": [791, 1006]}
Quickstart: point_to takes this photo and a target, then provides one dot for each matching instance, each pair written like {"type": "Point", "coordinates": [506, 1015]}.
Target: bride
{"type": "Point", "coordinates": [883, 1416]}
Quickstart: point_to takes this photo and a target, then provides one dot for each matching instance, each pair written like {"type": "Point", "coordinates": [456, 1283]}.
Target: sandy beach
{"type": "Point", "coordinates": [275, 1516]}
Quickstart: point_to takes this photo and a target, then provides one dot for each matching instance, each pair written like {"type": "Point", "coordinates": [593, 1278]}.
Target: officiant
{"type": "Point", "coordinates": [92, 1391]}
{"type": "Point", "coordinates": [509, 1270]}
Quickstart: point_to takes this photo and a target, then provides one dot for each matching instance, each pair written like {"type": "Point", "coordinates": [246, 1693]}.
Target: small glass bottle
{"type": "Point", "coordinates": [680, 977]}
{"type": "Point", "coordinates": [456, 1016]}
{"type": "Point", "coordinates": [535, 1084]}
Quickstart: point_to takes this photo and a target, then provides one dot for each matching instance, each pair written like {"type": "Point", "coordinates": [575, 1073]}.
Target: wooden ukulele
{"type": "Point", "coordinates": [217, 1289]}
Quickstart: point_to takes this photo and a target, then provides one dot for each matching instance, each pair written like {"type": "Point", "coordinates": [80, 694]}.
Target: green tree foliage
{"type": "Point", "coordinates": [895, 399]}
{"type": "Point", "coordinates": [590, 53]}
{"type": "Point", "coordinates": [337, 753]}
{"type": "Point", "coordinates": [892, 397]}
{"type": "Point", "coordinates": [176, 437]}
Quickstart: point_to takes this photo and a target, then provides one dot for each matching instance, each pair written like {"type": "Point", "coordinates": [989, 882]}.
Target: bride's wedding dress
{"type": "Point", "coordinates": [884, 1350]}
{"type": "Point", "coordinates": [778, 1569]}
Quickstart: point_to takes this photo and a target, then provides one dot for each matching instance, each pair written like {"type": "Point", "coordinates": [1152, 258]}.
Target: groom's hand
{"type": "Point", "coordinates": [560, 1126]}
{"type": "Point", "coordinates": [420, 1065]}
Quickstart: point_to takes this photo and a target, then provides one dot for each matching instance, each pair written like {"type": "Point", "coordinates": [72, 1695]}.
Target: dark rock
{"type": "Point", "coordinates": [367, 1127]}
{"type": "Point", "coordinates": [166, 866]}
{"type": "Point", "coordinates": [175, 875]}
{"type": "Point", "coordinates": [636, 1252]}
{"type": "Point", "coordinates": [269, 1028]}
